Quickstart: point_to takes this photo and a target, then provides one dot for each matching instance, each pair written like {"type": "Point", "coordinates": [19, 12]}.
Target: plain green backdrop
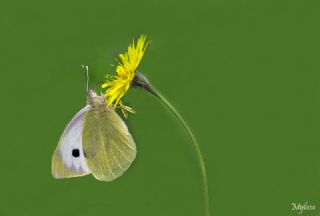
{"type": "Point", "coordinates": [244, 74]}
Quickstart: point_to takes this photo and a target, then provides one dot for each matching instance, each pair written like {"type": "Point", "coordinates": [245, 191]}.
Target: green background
{"type": "Point", "coordinates": [244, 74]}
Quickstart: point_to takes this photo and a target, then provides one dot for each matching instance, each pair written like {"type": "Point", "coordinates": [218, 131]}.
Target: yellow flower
{"type": "Point", "coordinates": [117, 86]}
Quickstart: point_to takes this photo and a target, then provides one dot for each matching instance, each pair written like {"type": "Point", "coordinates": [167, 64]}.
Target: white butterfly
{"type": "Point", "coordinates": [95, 141]}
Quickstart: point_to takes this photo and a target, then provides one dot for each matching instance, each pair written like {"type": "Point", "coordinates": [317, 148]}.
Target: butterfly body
{"type": "Point", "coordinates": [95, 141]}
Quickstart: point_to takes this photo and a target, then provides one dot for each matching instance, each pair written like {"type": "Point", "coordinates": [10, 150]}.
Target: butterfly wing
{"type": "Point", "coordinates": [68, 158]}
{"type": "Point", "coordinates": [109, 147]}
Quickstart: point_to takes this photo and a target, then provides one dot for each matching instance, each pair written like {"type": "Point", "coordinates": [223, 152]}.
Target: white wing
{"type": "Point", "coordinates": [68, 159]}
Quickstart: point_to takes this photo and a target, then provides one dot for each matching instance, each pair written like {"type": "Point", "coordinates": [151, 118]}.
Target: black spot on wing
{"type": "Point", "coordinates": [75, 152]}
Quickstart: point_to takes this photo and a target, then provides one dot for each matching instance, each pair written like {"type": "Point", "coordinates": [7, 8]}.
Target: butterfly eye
{"type": "Point", "coordinates": [75, 152]}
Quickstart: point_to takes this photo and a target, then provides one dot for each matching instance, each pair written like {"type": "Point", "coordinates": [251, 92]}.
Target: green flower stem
{"type": "Point", "coordinates": [194, 143]}
{"type": "Point", "coordinates": [141, 81]}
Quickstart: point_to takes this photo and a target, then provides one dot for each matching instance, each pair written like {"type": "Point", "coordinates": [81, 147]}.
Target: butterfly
{"type": "Point", "coordinates": [96, 141]}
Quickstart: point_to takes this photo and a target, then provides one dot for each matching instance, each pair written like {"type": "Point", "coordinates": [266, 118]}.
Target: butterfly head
{"type": "Point", "coordinates": [96, 101]}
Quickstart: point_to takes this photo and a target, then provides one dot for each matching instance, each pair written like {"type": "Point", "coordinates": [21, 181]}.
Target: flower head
{"type": "Point", "coordinates": [117, 86]}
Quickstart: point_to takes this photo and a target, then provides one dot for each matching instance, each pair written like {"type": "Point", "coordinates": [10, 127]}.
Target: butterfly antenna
{"type": "Point", "coordinates": [86, 76]}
